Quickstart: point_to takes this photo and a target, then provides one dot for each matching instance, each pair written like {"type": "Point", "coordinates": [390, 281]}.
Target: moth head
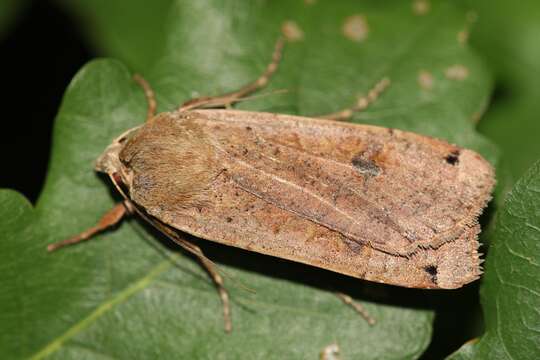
{"type": "Point", "coordinates": [109, 161]}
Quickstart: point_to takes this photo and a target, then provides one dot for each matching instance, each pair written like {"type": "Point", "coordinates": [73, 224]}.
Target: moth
{"type": "Point", "coordinates": [374, 203]}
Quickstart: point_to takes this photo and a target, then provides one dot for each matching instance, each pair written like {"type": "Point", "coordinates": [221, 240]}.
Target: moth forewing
{"type": "Point", "coordinates": [374, 203]}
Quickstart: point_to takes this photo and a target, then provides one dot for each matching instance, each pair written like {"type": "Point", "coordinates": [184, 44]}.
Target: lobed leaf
{"type": "Point", "coordinates": [128, 293]}
{"type": "Point", "coordinates": [510, 291]}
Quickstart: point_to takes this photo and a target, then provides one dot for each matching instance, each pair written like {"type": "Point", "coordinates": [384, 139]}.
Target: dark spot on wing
{"type": "Point", "coordinates": [452, 158]}
{"type": "Point", "coordinates": [365, 166]}
{"type": "Point", "coordinates": [432, 271]}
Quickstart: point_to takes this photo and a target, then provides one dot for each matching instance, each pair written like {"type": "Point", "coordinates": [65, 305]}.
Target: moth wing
{"type": "Point", "coordinates": [337, 196]}
{"type": "Point", "coordinates": [392, 190]}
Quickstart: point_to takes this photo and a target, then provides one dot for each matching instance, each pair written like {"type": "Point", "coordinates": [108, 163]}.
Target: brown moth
{"type": "Point", "coordinates": [374, 203]}
{"type": "Point", "coordinates": [378, 204]}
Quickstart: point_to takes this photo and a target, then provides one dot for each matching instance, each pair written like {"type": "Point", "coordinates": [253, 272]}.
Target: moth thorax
{"type": "Point", "coordinates": [172, 163]}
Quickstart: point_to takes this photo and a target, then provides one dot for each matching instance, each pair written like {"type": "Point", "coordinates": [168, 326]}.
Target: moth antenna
{"type": "Point", "coordinates": [149, 94]}
{"type": "Point", "coordinates": [361, 103]}
{"type": "Point", "coordinates": [270, 93]}
{"type": "Point", "coordinates": [226, 100]}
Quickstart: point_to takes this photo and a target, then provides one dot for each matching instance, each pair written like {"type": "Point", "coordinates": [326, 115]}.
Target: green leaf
{"type": "Point", "coordinates": [507, 36]}
{"type": "Point", "coordinates": [131, 30]}
{"type": "Point", "coordinates": [129, 293]}
{"type": "Point", "coordinates": [509, 294]}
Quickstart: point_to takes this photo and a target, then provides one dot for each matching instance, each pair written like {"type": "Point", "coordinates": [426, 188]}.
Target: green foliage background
{"type": "Point", "coordinates": [131, 294]}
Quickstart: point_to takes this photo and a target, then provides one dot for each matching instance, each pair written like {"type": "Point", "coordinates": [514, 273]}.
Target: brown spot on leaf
{"type": "Point", "coordinates": [457, 72]}
{"type": "Point", "coordinates": [463, 36]}
{"type": "Point", "coordinates": [330, 352]}
{"type": "Point", "coordinates": [356, 28]}
{"type": "Point", "coordinates": [425, 80]}
{"type": "Point", "coordinates": [292, 31]}
{"type": "Point", "coordinates": [472, 17]}
{"type": "Point", "coordinates": [421, 7]}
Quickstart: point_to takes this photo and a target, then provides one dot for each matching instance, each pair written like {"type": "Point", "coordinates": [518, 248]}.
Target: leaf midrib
{"type": "Point", "coordinates": [119, 298]}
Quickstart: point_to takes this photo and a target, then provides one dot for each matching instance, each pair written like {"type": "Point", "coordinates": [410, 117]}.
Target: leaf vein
{"type": "Point", "coordinates": [106, 306]}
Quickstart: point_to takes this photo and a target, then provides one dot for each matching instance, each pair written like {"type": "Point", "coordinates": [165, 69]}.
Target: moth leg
{"type": "Point", "coordinates": [149, 94]}
{"type": "Point", "coordinates": [361, 104]}
{"type": "Point", "coordinates": [357, 307]}
{"type": "Point", "coordinates": [210, 267]}
{"type": "Point", "coordinates": [226, 100]}
{"type": "Point", "coordinates": [110, 218]}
